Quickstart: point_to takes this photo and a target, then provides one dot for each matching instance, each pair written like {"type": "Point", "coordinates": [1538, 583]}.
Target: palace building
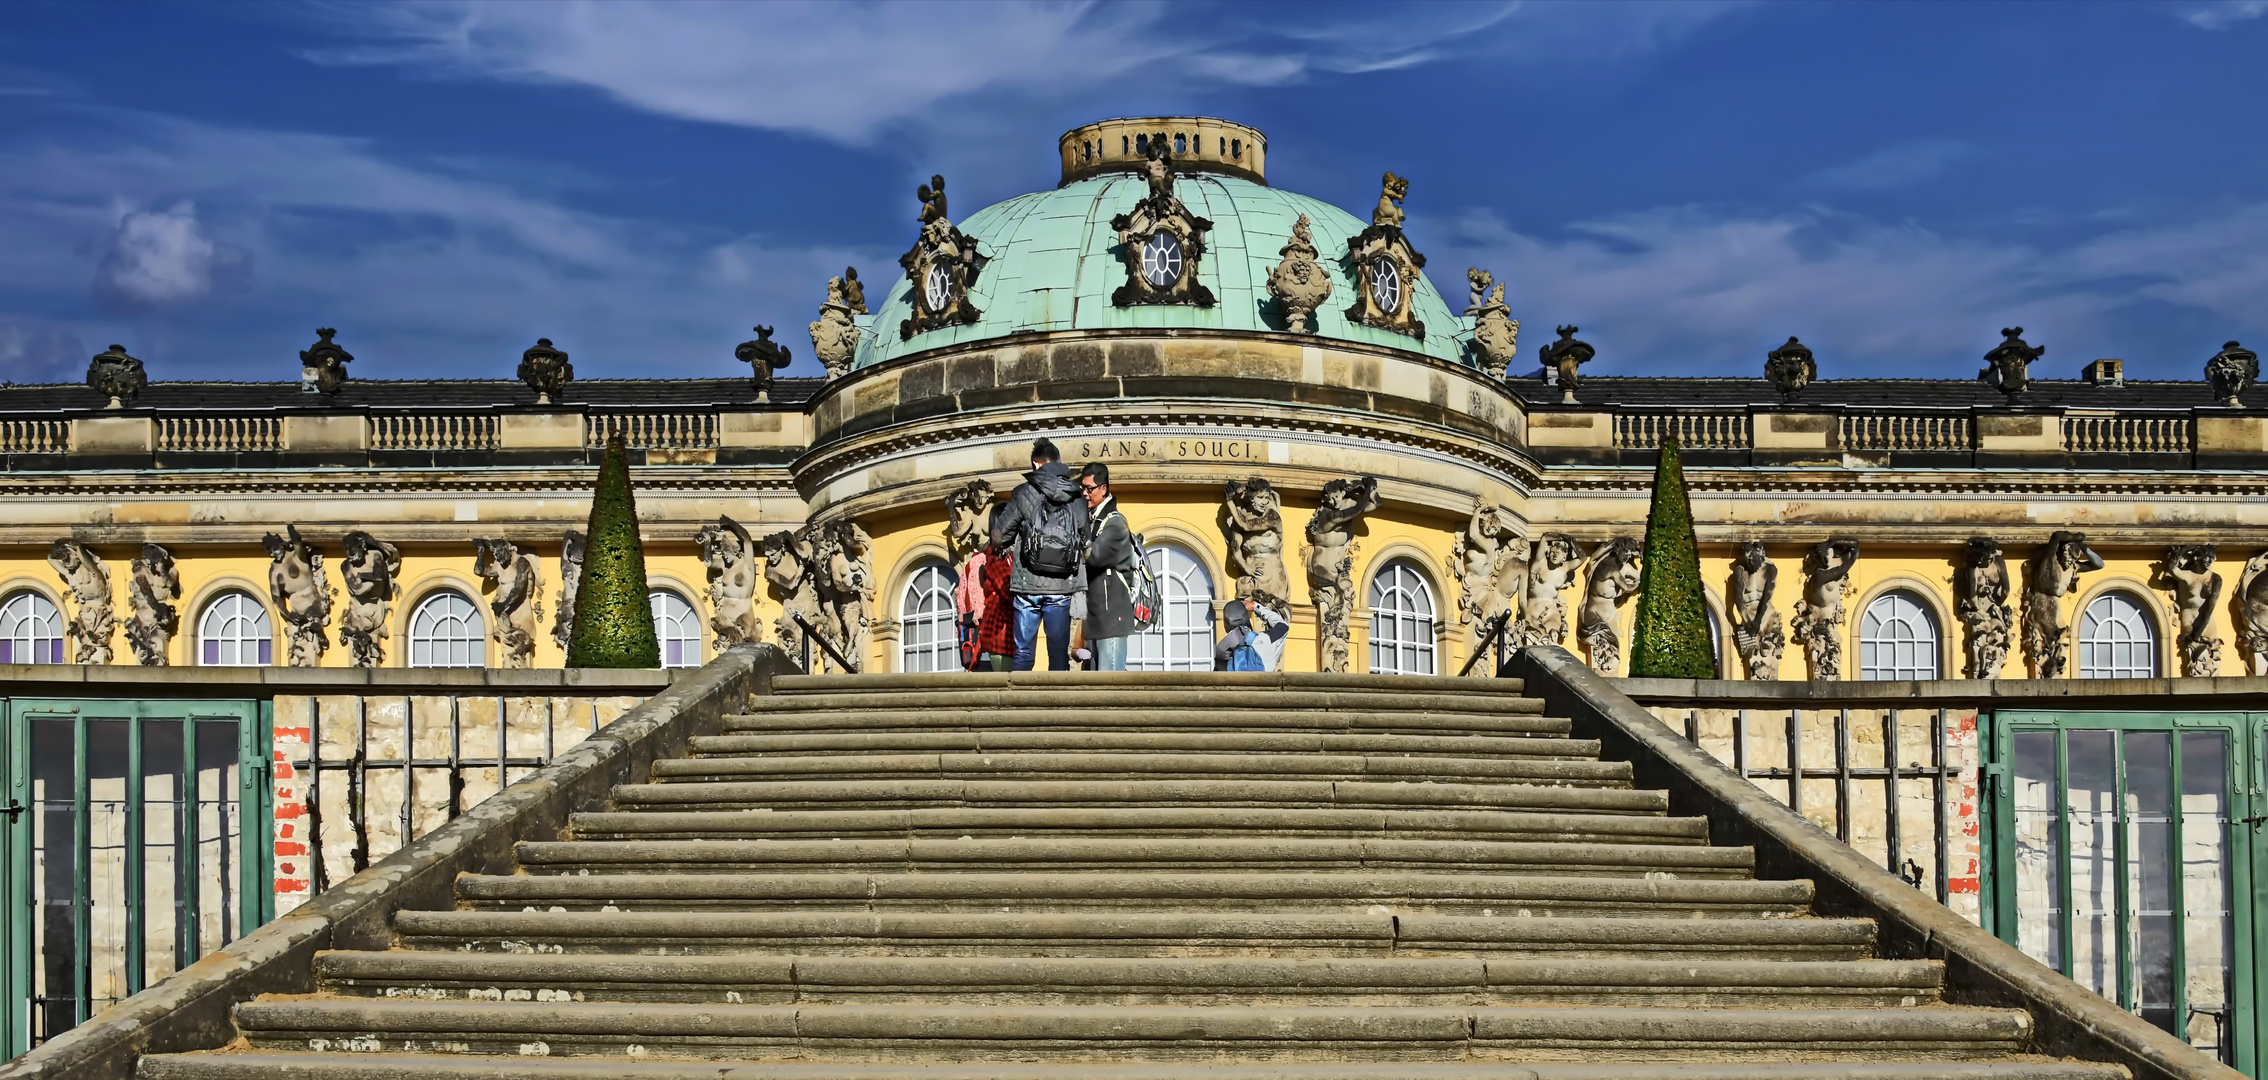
{"type": "Point", "coordinates": [1291, 412]}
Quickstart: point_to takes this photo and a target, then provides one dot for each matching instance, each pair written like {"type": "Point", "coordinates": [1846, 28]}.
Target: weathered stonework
{"type": "Point", "coordinates": [515, 601]}
{"type": "Point", "coordinates": [729, 553]}
{"type": "Point", "coordinates": [1490, 569]}
{"type": "Point", "coordinates": [371, 568]}
{"type": "Point", "coordinates": [299, 591]}
{"type": "Point", "coordinates": [1330, 563]}
{"type": "Point", "coordinates": [1819, 615]}
{"type": "Point", "coordinates": [1614, 580]}
{"type": "Point", "coordinates": [1980, 597]}
{"type": "Point", "coordinates": [1253, 523]}
{"type": "Point", "coordinates": [156, 587]}
{"type": "Point", "coordinates": [2051, 575]}
{"type": "Point", "coordinates": [1757, 636]}
{"type": "Point", "coordinates": [1553, 565]}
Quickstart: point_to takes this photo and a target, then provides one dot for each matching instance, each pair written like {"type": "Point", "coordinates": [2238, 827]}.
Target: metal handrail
{"type": "Point", "coordinates": [811, 633]}
{"type": "Point", "coordinates": [1495, 636]}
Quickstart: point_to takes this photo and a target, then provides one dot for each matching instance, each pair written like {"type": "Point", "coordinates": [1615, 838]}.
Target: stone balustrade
{"type": "Point", "coordinates": [1829, 434]}
{"type": "Point", "coordinates": [138, 434]}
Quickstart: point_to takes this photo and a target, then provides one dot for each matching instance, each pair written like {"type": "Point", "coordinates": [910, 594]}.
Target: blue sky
{"type": "Point", "coordinates": [1689, 182]}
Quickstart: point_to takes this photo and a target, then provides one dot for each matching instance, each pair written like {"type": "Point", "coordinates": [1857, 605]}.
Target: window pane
{"type": "Point", "coordinates": [928, 640]}
{"type": "Point", "coordinates": [2039, 850]}
{"type": "Point", "coordinates": [1401, 621]}
{"type": "Point", "coordinates": [2116, 640]}
{"type": "Point", "coordinates": [2092, 759]}
{"type": "Point", "coordinates": [1897, 639]}
{"type": "Point", "coordinates": [31, 630]}
{"type": "Point", "coordinates": [446, 631]}
{"type": "Point", "coordinates": [2205, 887]}
{"type": "Point", "coordinates": [677, 628]}
{"type": "Point", "coordinates": [2149, 872]}
{"type": "Point", "coordinates": [1183, 639]}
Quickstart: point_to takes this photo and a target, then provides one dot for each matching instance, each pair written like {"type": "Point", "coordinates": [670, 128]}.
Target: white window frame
{"type": "Point", "coordinates": [468, 649]}
{"type": "Point", "coordinates": [680, 627]}
{"type": "Point", "coordinates": [1899, 640]}
{"type": "Point", "coordinates": [233, 630]}
{"type": "Point", "coordinates": [1183, 638]}
{"type": "Point", "coordinates": [32, 628]}
{"type": "Point", "coordinates": [2117, 639]}
{"type": "Point", "coordinates": [1404, 616]}
{"type": "Point", "coordinates": [927, 638]}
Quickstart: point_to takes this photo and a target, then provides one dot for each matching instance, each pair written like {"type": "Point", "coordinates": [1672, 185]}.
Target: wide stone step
{"type": "Point", "coordinates": [806, 743]}
{"type": "Point", "coordinates": [1108, 699]}
{"type": "Point", "coordinates": [284, 1066]}
{"type": "Point", "coordinates": [1407, 893]}
{"type": "Point", "coordinates": [1247, 682]}
{"type": "Point", "coordinates": [1133, 766]}
{"type": "Point", "coordinates": [872, 794]}
{"type": "Point", "coordinates": [953, 713]}
{"type": "Point", "coordinates": [1088, 1032]}
{"type": "Point", "coordinates": [1137, 855]}
{"type": "Point", "coordinates": [1220, 980]}
{"type": "Point", "coordinates": [974, 821]}
{"type": "Point", "coordinates": [1129, 934]}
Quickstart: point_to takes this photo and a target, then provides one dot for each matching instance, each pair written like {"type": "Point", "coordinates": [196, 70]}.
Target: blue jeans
{"type": "Point", "coordinates": [1056, 610]}
{"type": "Point", "coordinates": [1110, 653]}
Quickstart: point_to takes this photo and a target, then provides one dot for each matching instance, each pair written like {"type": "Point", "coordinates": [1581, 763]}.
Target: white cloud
{"type": "Point", "coordinates": [2222, 14]}
{"type": "Point", "coordinates": [164, 259]}
{"type": "Point", "coordinates": [1902, 165]}
{"type": "Point", "coordinates": [32, 353]}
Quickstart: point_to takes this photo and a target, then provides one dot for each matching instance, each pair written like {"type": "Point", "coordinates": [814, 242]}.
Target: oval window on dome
{"type": "Point", "coordinates": [937, 286]}
{"type": "Point", "coordinates": [1386, 284]}
{"type": "Point", "coordinates": [1161, 260]}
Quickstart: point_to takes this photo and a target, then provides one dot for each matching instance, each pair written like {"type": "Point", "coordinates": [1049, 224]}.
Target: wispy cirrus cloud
{"type": "Point", "coordinates": [1901, 165]}
{"type": "Point", "coordinates": [2222, 14]}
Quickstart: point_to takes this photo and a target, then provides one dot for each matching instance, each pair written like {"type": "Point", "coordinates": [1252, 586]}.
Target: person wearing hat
{"type": "Point", "coordinates": [1249, 648]}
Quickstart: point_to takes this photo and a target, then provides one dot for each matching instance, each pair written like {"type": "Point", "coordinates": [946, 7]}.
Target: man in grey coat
{"type": "Point", "coordinates": [1045, 527]}
{"type": "Point", "coordinates": [1111, 571]}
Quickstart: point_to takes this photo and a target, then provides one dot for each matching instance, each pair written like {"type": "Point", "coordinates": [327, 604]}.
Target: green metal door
{"type": "Point", "coordinates": [2124, 849]}
{"type": "Point", "coordinates": [136, 841]}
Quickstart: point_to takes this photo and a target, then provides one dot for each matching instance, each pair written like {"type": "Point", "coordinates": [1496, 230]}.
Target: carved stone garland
{"type": "Point", "coordinates": [1757, 634]}
{"type": "Point", "coordinates": [570, 585]}
{"type": "Point", "coordinates": [87, 581]}
{"type": "Point", "coordinates": [2196, 591]}
{"type": "Point", "coordinates": [1980, 600]}
{"type": "Point", "coordinates": [1490, 571]}
{"type": "Point", "coordinates": [2050, 576]}
{"type": "Point", "coordinates": [942, 266]}
{"type": "Point", "coordinates": [965, 525]}
{"type": "Point", "coordinates": [370, 569]}
{"type": "Point", "coordinates": [1253, 524]}
{"type": "Point", "coordinates": [1614, 580]}
{"type": "Point", "coordinates": [154, 588]}
{"type": "Point", "coordinates": [1386, 268]}
{"type": "Point", "coordinates": [730, 555]}
{"type": "Point", "coordinates": [1819, 614]}
{"type": "Point", "coordinates": [300, 592]}
{"type": "Point", "coordinates": [1496, 334]}
{"type": "Point", "coordinates": [515, 588]}
{"type": "Point", "coordinates": [1160, 241]}
{"type": "Point", "coordinates": [1299, 283]}
{"type": "Point", "coordinates": [1330, 563]}
{"type": "Point", "coordinates": [1553, 565]}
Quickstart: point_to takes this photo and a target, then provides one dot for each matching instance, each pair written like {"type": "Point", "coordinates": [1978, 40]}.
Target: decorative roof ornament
{"type": "Point", "coordinates": [322, 366]}
{"type": "Point", "coordinates": [854, 293]}
{"type": "Point", "coordinates": [942, 266]}
{"type": "Point", "coordinates": [2008, 365]}
{"type": "Point", "coordinates": [1386, 267]}
{"type": "Point", "coordinates": [834, 336]}
{"type": "Point", "coordinates": [1299, 283]}
{"type": "Point", "coordinates": [1496, 334]}
{"type": "Point", "coordinates": [117, 376]}
{"type": "Point", "coordinates": [2232, 371]}
{"type": "Point", "coordinates": [545, 370]}
{"type": "Point", "coordinates": [1562, 360]}
{"type": "Point", "coordinates": [765, 356]}
{"type": "Point", "coordinates": [1790, 368]}
{"type": "Point", "coordinates": [1161, 242]}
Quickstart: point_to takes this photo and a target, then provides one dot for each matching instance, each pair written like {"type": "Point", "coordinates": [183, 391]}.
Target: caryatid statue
{"type": "Point", "coordinates": [2050, 576]}
{"type": "Point", "coordinates": [155, 586]}
{"type": "Point", "coordinates": [570, 586]}
{"type": "Point", "coordinates": [515, 598]}
{"type": "Point", "coordinates": [1757, 635]}
{"type": "Point", "coordinates": [1484, 554]}
{"type": "Point", "coordinates": [370, 569]}
{"type": "Point", "coordinates": [965, 511]}
{"type": "Point", "coordinates": [1980, 599]}
{"type": "Point", "coordinates": [2196, 589]}
{"type": "Point", "coordinates": [297, 587]}
{"type": "Point", "coordinates": [88, 581]}
{"type": "Point", "coordinates": [846, 582]}
{"type": "Point", "coordinates": [1552, 567]}
{"type": "Point", "coordinates": [791, 564]}
{"type": "Point", "coordinates": [1614, 580]}
{"type": "Point", "coordinates": [1819, 615]}
{"type": "Point", "coordinates": [730, 554]}
{"type": "Point", "coordinates": [1253, 516]}
{"type": "Point", "coordinates": [2252, 613]}
{"type": "Point", "coordinates": [1330, 562]}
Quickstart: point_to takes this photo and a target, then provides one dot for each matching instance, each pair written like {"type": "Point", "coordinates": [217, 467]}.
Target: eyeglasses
{"type": "Point", "coordinates": [1090, 487]}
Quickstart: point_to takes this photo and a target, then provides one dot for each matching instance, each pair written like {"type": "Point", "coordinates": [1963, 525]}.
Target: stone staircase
{"type": "Point", "coordinates": [1133, 877]}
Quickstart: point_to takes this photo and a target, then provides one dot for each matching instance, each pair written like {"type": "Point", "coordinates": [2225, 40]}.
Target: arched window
{"type": "Point", "coordinates": [234, 632]}
{"type": "Point", "coordinates": [446, 631]}
{"type": "Point", "coordinates": [1183, 639]}
{"type": "Point", "coordinates": [927, 640]}
{"type": "Point", "coordinates": [31, 630]}
{"type": "Point", "coordinates": [677, 627]}
{"type": "Point", "coordinates": [2116, 640]}
{"type": "Point", "coordinates": [1401, 621]}
{"type": "Point", "coordinates": [1897, 639]}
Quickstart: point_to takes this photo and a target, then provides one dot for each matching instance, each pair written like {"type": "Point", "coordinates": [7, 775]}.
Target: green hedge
{"type": "Point", "coordinates": [1670, 638]}
{"type": "Point", "coordinates": [614, 622]}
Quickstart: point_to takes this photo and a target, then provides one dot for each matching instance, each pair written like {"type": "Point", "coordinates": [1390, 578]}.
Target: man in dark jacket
{"type": "Point", "coordinates": [1045, 527]}
{"type": "Point", "coordinates": [1111, 571]}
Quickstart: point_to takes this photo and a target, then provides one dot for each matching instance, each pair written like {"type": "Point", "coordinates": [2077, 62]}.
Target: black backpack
{"type": "Point", "coordinates": [1052, 541]}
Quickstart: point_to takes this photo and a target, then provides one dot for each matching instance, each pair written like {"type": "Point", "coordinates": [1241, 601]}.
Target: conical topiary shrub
{"type": "Point", "coordinates": [1671, 636]}
{"type": "Point", "coordinates": [614, 622]}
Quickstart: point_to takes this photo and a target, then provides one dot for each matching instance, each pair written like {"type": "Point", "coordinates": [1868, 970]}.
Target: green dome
{"type": "Point", "coordinates": [1054, 262]}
